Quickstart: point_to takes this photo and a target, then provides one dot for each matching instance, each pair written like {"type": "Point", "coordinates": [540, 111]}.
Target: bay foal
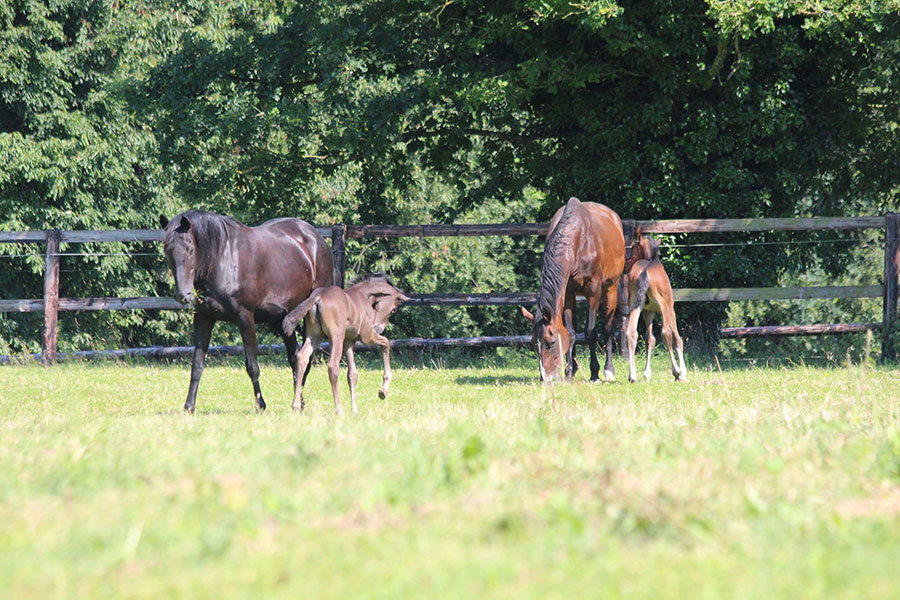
{"type": "Point", "coordinates": [359, 313]}
{"type": "Point", "coordinates": [645, 291]}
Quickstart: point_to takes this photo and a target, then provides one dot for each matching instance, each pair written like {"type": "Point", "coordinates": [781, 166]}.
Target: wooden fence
{"type": "Point", "coordinates": [51, 303]}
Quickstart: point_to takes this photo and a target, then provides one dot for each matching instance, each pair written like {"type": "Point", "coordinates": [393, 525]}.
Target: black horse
{"type": "Point", "coordinates": [247, 275]}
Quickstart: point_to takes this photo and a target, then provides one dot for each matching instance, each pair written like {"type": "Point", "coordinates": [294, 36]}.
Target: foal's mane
{"type": "Point", "coordinates": [375, 279]}
{"type": "Point", "coordinates": [371, 277]}
{"type": "Point", "coordinates": [654, 249]}
{"type": "Point", "coordinates": [553, 275]}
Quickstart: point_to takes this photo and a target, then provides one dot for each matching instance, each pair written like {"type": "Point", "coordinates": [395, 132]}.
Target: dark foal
{"type": "Point", "coordinates": [246, 275]}
{"type": "Point", "coordinates": [359, 313]}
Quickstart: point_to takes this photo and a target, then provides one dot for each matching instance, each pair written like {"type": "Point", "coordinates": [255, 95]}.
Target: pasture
{"type": "Point", "coordinates": [468, 481]}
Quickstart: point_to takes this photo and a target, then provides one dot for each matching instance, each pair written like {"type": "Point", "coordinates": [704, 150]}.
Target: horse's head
{"type": "Point", "coordinates": [551, 340]}
{"type": "Point", "coordinates": [385, 306]}
{"type": "Point", "coordinates": [643, 247]}
{"type": "Point", "coordinates": [384, 297]}
{"type": "Point", "coordinates": [181, 252]}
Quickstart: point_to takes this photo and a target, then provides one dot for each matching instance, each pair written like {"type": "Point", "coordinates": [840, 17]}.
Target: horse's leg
{"type": "Point", "coordinates": [670, 334]}
{"type": "Point", "coordinates": [591, 334]}
{"type": "Point", "coordinates": [651, 341]}
{"type": "Point", "coordinates": [248, 336]}
{"type": "Point", "coordinates": [569, 323]}
{"type": "Point", "coordinates": [304, 356]}
{"type": "Point", "coordinates": [609, 296]}
{"type": "Point", "coordinates": [334, 368]}
{"type": "Point", "coordinates": [203, 326]}
{"type": "Point", "coordinates": [385, 345]}
{"type": "Point", "coordinates": [632, 336]}
{"type": "Point", "coordinates": [292, 348]}
{"type": "Point", "coordinates": [352, 375]}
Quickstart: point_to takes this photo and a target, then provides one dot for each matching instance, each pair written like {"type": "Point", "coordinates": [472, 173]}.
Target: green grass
{"type": "Point", "coordinates": [465, 482]}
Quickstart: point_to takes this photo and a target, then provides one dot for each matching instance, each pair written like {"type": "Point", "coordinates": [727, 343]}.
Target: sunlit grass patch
{"type": "Point", "coordinates": [466, 481]}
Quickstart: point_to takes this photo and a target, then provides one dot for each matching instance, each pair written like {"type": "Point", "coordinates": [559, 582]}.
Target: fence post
{"type": "Point", "coordinates": [51, 298]}
{"type": "Point", "coordinates": [339, 252]}
{"type": "Point", "coordinates": [891, 283]}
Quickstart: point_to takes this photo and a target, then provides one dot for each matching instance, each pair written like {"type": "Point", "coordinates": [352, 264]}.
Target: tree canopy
{"type": "Point", "coordinates": [402, 111]}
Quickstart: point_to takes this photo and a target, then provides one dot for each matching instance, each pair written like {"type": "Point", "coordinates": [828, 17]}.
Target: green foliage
{"type": "Point", "coordinates": [416, 111]}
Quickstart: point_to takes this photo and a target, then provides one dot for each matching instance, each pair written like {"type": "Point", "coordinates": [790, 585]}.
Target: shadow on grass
{"type": "Point", "coordinates": [495, 380]}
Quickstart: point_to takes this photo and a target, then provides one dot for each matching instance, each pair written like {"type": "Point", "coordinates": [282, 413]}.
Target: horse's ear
{"type": "Point", "coordinates": [637, 234]}
{"type": "Point", "coordinates": [403, 297]}
{"type": "Point", "coordinates": [375, 298]}
{"type": "Point", "coordinates": [163, 221]}
{"type": "Point", "coordinates": [526, 313]}
{"type": "Point", "coordinates": [183, 226]}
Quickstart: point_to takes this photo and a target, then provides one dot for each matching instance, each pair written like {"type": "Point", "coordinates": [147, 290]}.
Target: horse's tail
{"type": "Point", "coordinates": [289, 324]}
{"type": "Point", "coordinates": [640, 295]}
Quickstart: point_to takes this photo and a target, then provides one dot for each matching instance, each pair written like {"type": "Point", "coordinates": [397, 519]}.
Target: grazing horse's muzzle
{"type": "Point", "coordinates": [183, 298]}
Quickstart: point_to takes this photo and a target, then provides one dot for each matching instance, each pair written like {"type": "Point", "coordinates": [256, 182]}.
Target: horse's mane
{"type": "Point", "coordinates": [654, 249]}
{"type": "Point", "coordinates": [209, 235]}
{"type": "Point", "coordinates": [553, 276]}
{"type": "Point", "coordinates": [377, 281]}
{"type": "Point", "coordinates": [371, 277]}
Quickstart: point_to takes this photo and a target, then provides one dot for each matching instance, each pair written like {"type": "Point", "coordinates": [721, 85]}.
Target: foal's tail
{"type": "Point", "coordinates": [289, 324]}
{"type": "Point", "coordinates": [640, 294]}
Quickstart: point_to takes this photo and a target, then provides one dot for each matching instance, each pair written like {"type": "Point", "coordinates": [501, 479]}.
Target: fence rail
{"type": "Point", "coordinates": [51, 304]}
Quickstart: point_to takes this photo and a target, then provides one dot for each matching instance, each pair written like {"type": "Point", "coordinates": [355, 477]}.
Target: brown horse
{"type": "Point", "coordinates": [584, 255]}
{"type": "Point", "coordinates": [645, 286]}
{"type": "Point", "coordinates": [246, 275]}
{"type": "Point", "coordinates": [359, 313]}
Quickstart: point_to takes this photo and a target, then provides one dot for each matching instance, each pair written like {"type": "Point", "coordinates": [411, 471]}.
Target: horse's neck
{"type": "Point", "coordinates": [211, 257]}
{"type": "Point", "coordinates": [557, 295]}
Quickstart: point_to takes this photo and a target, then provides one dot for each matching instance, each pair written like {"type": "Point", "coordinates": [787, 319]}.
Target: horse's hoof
{"type": "Point", "coordinates": [632, 379]}
{"type": "Point", "coordinates": [260, 407]}
{"type": "Point", "coordinates": [647, 375]}
{"type": "Point", "coordinates": [609, 375]}
{"type": "Point", "coordinates": [382, 394]}
{"type": "Point", "coordinates": [681, 377]}
{"type": "Point", "coordinates": [188, 409]}
{"type": "Point", "coordinates": [297, 407]}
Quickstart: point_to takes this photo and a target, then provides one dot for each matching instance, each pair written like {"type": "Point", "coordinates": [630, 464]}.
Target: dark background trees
{"type": "Point", "coordinates": [403, 111]}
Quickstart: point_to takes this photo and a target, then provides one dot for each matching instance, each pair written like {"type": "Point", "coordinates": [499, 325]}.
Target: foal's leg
{"type": "Point", "coordinates": [651, 341]}
{"type": "Point", "coordinates": [312, 341]}
{"type": "Point", "coordinates": [334, 368]}
{"type": "Point", "coordinates": [203, 327]}
{"type": "Point", "coordinates": [352, 375]}
{"type": "Point", "coordinates": [670, 334]}
{"type": "Point", "coordinates": [632, 336]}
{"type": "Point", "coordinates": [248, 336]}
{"type": "Point", "coordinates": [385, 345]}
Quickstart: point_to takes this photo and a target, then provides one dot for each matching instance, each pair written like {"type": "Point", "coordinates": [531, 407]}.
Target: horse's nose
{"type": "Point", "coordinates": [183, 298]}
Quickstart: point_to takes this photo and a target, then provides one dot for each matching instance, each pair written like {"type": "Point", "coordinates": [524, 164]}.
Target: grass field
{"type": "Point", "coordinates": [466, 482]}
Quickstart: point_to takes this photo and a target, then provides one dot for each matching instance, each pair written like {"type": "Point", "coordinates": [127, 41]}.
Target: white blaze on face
{"type": "Point", "coordinates": [561, 363]}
